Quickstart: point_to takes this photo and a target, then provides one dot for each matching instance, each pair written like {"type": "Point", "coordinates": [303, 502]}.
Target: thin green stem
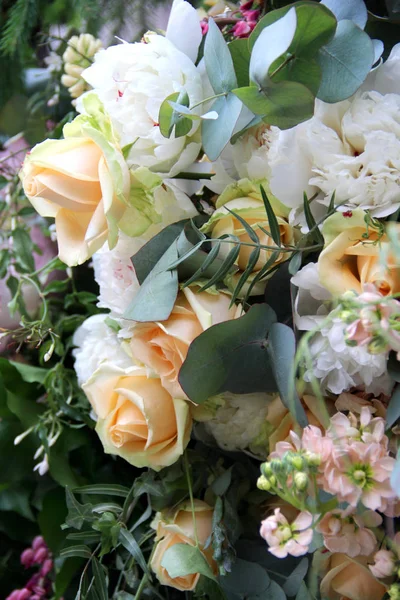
{"type": "Point", "coordinates": [141, 587]}
{"type": "Point", "coordinates": [208, 99]}
{"type": "Point", "coordinates": [282, 65]}
{"type": "Point", "coordinates": [189, 482]}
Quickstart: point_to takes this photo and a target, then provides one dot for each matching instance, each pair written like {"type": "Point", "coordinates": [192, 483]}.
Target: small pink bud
{"type": "Point", "coordinates": [251, 15]}
{"type": "Point", "coordinates": [35, 597]}
{"type": "Point", "coordinates": [38, 542]}
{"type": "Point", "coordinates": [204, 27]}
{"type": "Point", "coordinates": [14, 595]}
{"type": "Point", "coordinates": [246, 5]}
{"type": "Point", "coordinates": [23, 594]}
{"type": "Point", "coordinates": [27, 558]}
{"type": "Point", "coordinates": [40, 555]}
{"type": "Point", "coordinates": [241, 29]}
{"type": "Point", "coordinates": [47, 567]}
{"type": "Point", "coordinates": [39, 591]}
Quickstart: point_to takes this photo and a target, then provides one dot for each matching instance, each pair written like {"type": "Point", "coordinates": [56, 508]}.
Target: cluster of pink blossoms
{"type": "Point", "coordinates": [352, 463]}
{"type": "Point", "coordinates": [39, 585]}
{"type": "Point", "coordinates": [246, 22]}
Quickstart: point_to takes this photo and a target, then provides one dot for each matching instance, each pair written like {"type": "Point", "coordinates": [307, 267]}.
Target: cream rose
{"type": "Point", "coordinates": [137, 418]}
{"type": "Point", "coordinates": [350, 260]}
{"type": "Point", "coordinates": [82, 181]}
{"type": "Point", "coordinates": [163, 346]}
{"type": "Point", "coordinates": [178, 527]}
{"type": "Point", "coordinates": [350, 579]}
{"type": "Point", "coordinates": [244, 199]}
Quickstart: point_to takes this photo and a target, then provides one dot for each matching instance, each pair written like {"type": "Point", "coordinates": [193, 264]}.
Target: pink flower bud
{"type": "Point", "coordinates": [39, 591]}
{"type": "Point", "coordinates": [38, 542]}
{"type": "Point", "coordinates": [241, 29]}
{"type": "Point", "coordinates": [204, 27]}
{"type": "Point", "coordinates": [35, 597]}
{"type": "Point", "coordinates": [47, 567]}
{"type": "Point", "coordinates": [247, 5]}
{"type": "Point", "coordinates": [27, 558]}
{"type": "Point", "coordinates": [40, 555]}
{"type": "Point", "coordinates": [23, 595]}
{"type": "Point", "coordinates": [251, 15]}
{"type": "Point", "coordinates": [14, 595]}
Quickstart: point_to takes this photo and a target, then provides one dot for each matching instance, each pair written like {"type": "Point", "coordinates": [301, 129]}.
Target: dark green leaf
{"type": "Point", "coordinates": [253, 259]}
{"type": "Point", "coordinates": [16, 499]}
{"type": "Point", "coordinates": [295, 263]}
{"type": "Point", "coordinates": [222, 483]}
{"type": "Point", "coordinates": [272, 220]}
{"type": "Point", "coordinates": [26, 410]}
{"type": "Point", "coordinates": [4, 262]}
{"type": "Point", "coordinates": [100, 582]}
{"type": "Point", "coordinates": [129, 542]}
{"type": "Point", "coordinates": [181, 560]}
{"type": "Point", "coordinates": [247, 579]}
{"type": "Point", "coordinates": [240, 53]}
{"type": "Point", "coordinates": [218, 61]}
{"type": "Point", "coordinates": [216, 134]}
{"type": "Point", "coordinates": [156, 296]}
{"type": "Point", "coordinates": [282, 350]}
{"type": "Point", "coordinates": [277, 293]}
{"type": "Point", "coordinates": [77, 513]}
{"type": "Point", "coordinates": [304, 71]}
{"type": "Point", "coordinates": [345, 62]}
{"type": "Point", "coordinates": [274, 592]}
{"type": "Point", "coordinates": [313, 227]}
{"type": "Point", "coordinates": [293, 582]}
{"type": "Point", "coordinates": [230, 356]}
{"type": "Point", "coordinates": [303, 593]}
{"type": "Point", "coordinates": [29, 373]}
{"type": "Point", "coordinates": [224, 268]}
{"type": "Point", "coordinates": [80, 551]}
{"type": "Point", "coordinates": [23, 247]}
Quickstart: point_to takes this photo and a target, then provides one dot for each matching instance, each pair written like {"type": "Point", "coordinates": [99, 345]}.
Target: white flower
{"type": "Point", "coordinates": [351, 148]}
{"type": "Point", "coordinates": [133, 80]}
{"type": "Point", "coordinates": [339, 367]}
{"type": "Point", "coordinates": [239, 420]}
{"type": "Point", "coordinates": [96, 342]}
{"type": "Point", "coordinates": [113, 269]}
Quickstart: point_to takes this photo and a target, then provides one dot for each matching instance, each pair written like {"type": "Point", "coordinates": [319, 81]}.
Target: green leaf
{"type": "Point", "coordinates": [240, 53]}
{"type": "Point", "coordinates": [23, 247]}
{"type": "Point", "coordinates": [77, 513]}
{"type": "Point", "coordinates": [29, 373]}
{"type": "Point", "coordinates": [16, 499]}
{"type": "Point", "coordinates": [283, 104]}
{"type": "Point", "coordinates": [273, 41]}
{"type": "Point", "coordinates": [70, 568]}
{"type": "Point", "coordinates": [345, 62]}
{"type": "Point", "coordinates": [316, 26]}
{"type": "Point", "coordinates": [230, 356]}
{"type": "Point", "coordinates": [295, 263]}
{"type": "Point", "coordinates": [272, 220]}
{"type": "Point", "coordinates": [80, 551]}
{"type": "Point", "coordinates": [312, 225]}
{"type": "Point", "coordinates": [247, 580]}
{"type": "Point", "coordinates": [293, 582]}
{"type": "Point", "coordinates": [169, 118]}
{"type": "Point", "coordinates": [393, 366]}
{"type": "Point", "coordinates": [100, 582]}
{"type": "Point", "coordinates": [129, 542]}
{"type": "Point", "coordinates": [393, 410]}
{"type": "Point", "coordinates": [304, 71]}
{"type": "Point", "coordinates": [5, 258]}
{"type": "Point", "coordinates": [216, 134]}
{"type": "Point", "coordinates": [218, 61]}
{"type": "Point", "coordinates": [282, 350]}
{"type": "Point", "coordinates": [89, 537]}
{"type": "Point", "coordinates": [106, 489]}
{"type": "Point", "coordinates": [224, 268]}
{"type": "Point", "coordinates": [156, 296]}
{"type": "Point", "coordinates": [253, 259]}
{"type": "Point", "coordinates": [303, 593]}
{"type": "Point", "coordinates": [182, 559]}
{"type": "Point", "coordinates": [23, 408]}
{"type": "Point", "coordinates": [355, 10]}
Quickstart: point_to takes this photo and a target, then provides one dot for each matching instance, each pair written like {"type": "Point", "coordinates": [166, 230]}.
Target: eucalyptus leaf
{"type": "Point", "coordinates": [293, 582]}
{"type": "Point", "coordinates": [303, 593]}
{"type": "Point", "coordinates": [247, 579]}
{"type": "Point", "coordinates": [156, 296]}
{"type": "Point", "coordinates": [272, 42]}
{"type": "Point", "coordinates": [240, 53]}
{"type": "Point", "coordinates": [218, 61]}
{"type": "Point", "coordinates": [393, 410]}
{"type": "Point", "coordinates": [168, 117]}
{"type": "Point", "coordinates": [182, 559]}
{"type": "Point", "coordinates": [304, 71]}
{"type": "Point", "coordinates": [355, 10]}
{"type": "Point", "coordinates": [282, 350]}
{"type": "Point", "coordinates": [29, 373]}
{"type": "Point", "coordinates": [216, 134]}
{"type": "Point", "coordinates": [230, 356]}
{"type": "Point", "coordinates": [345, 62]}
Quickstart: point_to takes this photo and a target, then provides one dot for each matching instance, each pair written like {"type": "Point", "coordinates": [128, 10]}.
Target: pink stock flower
{"type": "Point", "coordinates": [365, 428]}
{"type": "Point", "coordinates": [346, 532]}
{"type": "Point", "coordinates": [284, 538]}
{"type": "Point", "coordinates": [384, 564]}
{"type": "Point", "coordinates": [251, 15]}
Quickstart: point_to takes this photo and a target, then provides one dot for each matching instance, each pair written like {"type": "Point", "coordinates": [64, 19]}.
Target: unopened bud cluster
{"type": "Point", "coordinates": [291, 471]}
{"type": "Point", "coordinates": [77, 58]}
{"type": "Point", "coordinates": [39, 585]}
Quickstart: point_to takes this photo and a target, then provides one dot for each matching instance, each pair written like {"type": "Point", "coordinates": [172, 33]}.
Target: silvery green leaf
{"type": "Point", "coordinates": [273, 41]}
{"type": "Point", "coordinates": [184, 110]}
{"type": "Point", "coordinates": [354, 10]}
{"type": "Point", "coordinates": [218, 61]}
{"type": "Point", "coordinates": [216, 134]}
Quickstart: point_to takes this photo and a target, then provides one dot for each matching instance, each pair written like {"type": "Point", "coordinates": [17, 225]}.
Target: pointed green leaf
{"type": "Point", "coordinates": [129, 542]}
{"type": "Point", "coordinates": [100, 582]}
{"type": "Point", "coordinates": [272, 220]}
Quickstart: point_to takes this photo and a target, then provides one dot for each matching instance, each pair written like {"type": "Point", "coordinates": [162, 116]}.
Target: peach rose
{"type": "Point", "coordinates": [83, 182]}
{"type": "Point", "coordinates": [350, 260]}
{"type": "Point", "coordinates": [282, 422]}
{"type": "Point", "coordinates": [350, 579]}
{"type": "Point", "coordinates": [137, 418]}
{"type": "Point", "coordinates": [163, 346]}
{"type": "Point", "coordinates": [177, 527]}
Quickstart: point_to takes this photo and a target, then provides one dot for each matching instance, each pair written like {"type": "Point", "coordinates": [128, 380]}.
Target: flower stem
{"type": "Point", "coordinates": [189, 482]}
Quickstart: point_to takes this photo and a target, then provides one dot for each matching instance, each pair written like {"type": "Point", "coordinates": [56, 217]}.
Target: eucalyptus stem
{"type": "Point", "coordinates": [189, 482]}
{"type": "Point", "coordinates": [208, 99]}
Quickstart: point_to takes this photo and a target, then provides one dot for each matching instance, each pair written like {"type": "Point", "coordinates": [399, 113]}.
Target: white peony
{"type": "Point", "coordinates": [133, 80]}
{"type": "Point", "coordinates": [351, 148]}
{"type": "Point", "coordinates": [237, 421]}
{"type": "Point", "coordinates": [96, 342]}
{"type": "Point", "coordinates": [336, 365]}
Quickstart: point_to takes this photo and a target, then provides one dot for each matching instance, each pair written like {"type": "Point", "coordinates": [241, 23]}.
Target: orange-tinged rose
{"type": "Point", "coordinates": [162, 346]}
{"type": "Point", "coordinates": [350, 579]}
{"type": "Point", "coordinates": [137, 418]}
{"type": "Point", "coordinates": [177, 527]}
{"type": "Point", "coordinates": [350, 260]}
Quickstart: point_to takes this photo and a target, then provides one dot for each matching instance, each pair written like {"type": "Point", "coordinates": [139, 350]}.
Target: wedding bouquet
{"type": "Point", "coordinates": [205, 380]}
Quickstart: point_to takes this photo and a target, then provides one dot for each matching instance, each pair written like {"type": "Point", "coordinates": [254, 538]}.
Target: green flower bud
{"type": "Point", "coordinates": [300, 481]}
{"type": "Point", "coordinates": [313, 460]}
{"type": "Point", "coordinates": [297, 461]}
{"type": "Point", "coordinates": [394, 592]}
{"type": "Point", "coordinates": [263, 484]}
{"type": "Point", "coordinates": [266, 469]}
{"type": "Point", "coordinates": [377, 345]}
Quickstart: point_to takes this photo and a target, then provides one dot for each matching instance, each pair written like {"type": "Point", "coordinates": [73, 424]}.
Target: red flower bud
{"type": "Point", "coordinates": [27, 558]}
{"type": "Point", "coordinates": [38, 542]}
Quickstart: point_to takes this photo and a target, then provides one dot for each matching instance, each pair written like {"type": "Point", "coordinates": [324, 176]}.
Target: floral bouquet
{"type": "Point", "coordinates": [199, 394]}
